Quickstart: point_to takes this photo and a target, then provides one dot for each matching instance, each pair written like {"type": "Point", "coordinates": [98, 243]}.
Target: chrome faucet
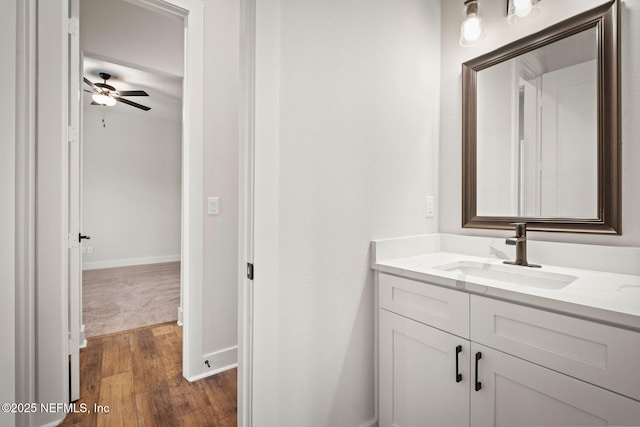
{"type": "Point", "coordinates": [520, 242]}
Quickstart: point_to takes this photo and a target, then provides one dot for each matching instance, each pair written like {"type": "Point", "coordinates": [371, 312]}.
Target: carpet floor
{"type": "Point", "coordinates": [124, 298]}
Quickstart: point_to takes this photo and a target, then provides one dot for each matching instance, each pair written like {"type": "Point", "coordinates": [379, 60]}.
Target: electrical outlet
{"type": "Point", "coordinates": [89, 249]}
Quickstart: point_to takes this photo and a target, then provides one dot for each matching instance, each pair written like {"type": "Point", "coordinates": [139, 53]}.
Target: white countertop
{"type": "Point", "coordinates": [601, 296]}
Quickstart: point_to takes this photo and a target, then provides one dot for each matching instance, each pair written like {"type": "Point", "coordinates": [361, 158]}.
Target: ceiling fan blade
{"type": "Point", "coordinates": [104, 86]}
{"type": "Point", "coordinates": [93, 86]}
{"type": "Point", "coordinates": [133, 104]}
{"type": "Point", "coordinates": [132, 93]}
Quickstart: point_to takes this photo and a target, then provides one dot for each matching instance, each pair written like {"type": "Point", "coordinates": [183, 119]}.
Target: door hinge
{"type": "Point", "coordinates": [249, 271]}
{"type": "Point", "coordinates": [73, 26]}
{"type": "Point", "coordinates": [72, 134]}
{"type": "Point", "coordinates": [71, 344]}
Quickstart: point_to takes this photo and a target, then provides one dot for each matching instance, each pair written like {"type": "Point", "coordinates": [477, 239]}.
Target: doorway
{"type": "Point", "coordinates": [188, 16]}
{"type": "Point", "coordinates": [52, 264]}
{"type": "Point", "coordinates": [131, 183]}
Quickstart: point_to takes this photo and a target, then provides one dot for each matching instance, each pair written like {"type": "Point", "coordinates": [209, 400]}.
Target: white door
{"type": "Point", "coordinates": [515, 393]}
{"type": "Point", "coordinates": [569, 151]}
{"type": "Point", "coordinates": [424, 375]}
{"type": "Point", "coordinates": [74, 230]}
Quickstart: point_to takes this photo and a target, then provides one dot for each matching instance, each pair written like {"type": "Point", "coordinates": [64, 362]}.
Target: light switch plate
{"type": "Point", "coordinates": [213, 205]}
{"type": "Point", "coordinates": [430, 206]}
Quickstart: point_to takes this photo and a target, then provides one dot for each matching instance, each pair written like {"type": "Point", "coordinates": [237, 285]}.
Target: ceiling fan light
{"type": "Point", "coordinates": [103, 99]}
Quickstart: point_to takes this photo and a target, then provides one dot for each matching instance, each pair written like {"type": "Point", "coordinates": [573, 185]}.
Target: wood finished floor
{"type": "Point", "coordinates": [138, 375]}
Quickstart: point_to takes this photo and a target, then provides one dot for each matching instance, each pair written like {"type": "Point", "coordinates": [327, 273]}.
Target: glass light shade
{"type": "Point", "coordinates": [521, 9]}
{"type": "Point", "coordinates": [103, 99]}
{"type": "Point", "coordinates": [472, 29]}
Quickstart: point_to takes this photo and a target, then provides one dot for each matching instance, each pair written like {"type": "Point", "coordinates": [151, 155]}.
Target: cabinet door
{"type": "Point", "coordinates": [418, 381]}
{"type": "Point", "coordinates": [515, 393]}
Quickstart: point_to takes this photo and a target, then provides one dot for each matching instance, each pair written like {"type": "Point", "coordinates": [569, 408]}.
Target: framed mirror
{"type": "Point", "coordinates": [541, 129]}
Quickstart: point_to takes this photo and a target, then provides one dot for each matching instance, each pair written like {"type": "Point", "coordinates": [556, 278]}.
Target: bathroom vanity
{"type": "Point", "coordinates": [464, 339]}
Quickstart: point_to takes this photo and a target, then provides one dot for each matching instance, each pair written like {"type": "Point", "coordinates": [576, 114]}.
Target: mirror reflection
{"type": "Point", "coordinates": [537, 132]}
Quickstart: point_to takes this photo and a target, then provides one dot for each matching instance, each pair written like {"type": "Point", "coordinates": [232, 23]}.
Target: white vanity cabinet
{"type": "Point", "coordinates": [518, 365]}
{"type": "Point", "coordinates": [424, 370]}
{"type": "Point", "coordinates": [418, 376]}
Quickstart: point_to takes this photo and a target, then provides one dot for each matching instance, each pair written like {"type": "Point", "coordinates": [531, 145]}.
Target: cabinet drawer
{"type": "Point", "coordinates": [599, 354]}
{"type": "Point", "coordinates": [441, 308]}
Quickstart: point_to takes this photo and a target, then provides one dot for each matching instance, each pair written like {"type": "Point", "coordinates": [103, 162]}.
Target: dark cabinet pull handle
{"type": "Point", "coordinates": [478, 383]}
{"type": "Point", "coordinates": [458, 374]}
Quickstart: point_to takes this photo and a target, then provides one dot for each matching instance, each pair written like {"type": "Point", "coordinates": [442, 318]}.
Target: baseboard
{"type": "Point", "coordinates": [373, 422]}
{"type": "Point", "coordinates": [180, 317]}
{"type": "Point", "coordinates": [53, 423]}
{"type": "Point", "coordinates": [94, 265]}
{"type": "Point", "coordinates": [211, 373]}
{"type": "Point", "coordinates": [219, 361]}
{"type": "Point", "coordinates": [82, 339]}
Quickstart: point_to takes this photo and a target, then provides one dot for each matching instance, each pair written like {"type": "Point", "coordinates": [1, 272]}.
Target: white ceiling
{"type": "Point", "coordinates": [126, 32]}
{"type": "Point", "coordinates": [141, 49]}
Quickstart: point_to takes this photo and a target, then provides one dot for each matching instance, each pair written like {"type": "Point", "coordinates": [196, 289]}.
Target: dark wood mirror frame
{"type": "Point", "coordinates": [605, 19]}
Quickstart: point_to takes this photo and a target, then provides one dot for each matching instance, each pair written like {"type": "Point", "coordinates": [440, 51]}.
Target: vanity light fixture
{"type": "Point", "coordinates": [471, 30]}
{"type": "Point", "coordinates": [517, 10]}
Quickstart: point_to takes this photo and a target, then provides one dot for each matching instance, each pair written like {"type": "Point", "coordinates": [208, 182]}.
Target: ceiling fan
{"type": "Point", "coordinates": [105, 94]}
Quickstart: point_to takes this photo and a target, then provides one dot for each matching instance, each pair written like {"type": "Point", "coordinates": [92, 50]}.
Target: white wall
{"type": "Point", "coordinates": [8, 209]}
{"type": "Point", "coordinates": [498, 34]}
{"type": "Point", "coordinates": [131, 187]}
{"type": "Point", "coordinates": [221, 71]}
{"type": "Point", "coordinates": [347, 116]}
{"type": "Point", "coordinates": [132, 167]}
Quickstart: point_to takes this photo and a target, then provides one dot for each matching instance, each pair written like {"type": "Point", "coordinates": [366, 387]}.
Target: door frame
{"type": "Point", "coordinates": [46, 114]}
{"type": "Point", "coordinates": [246, 170]}
{"type": "Point", "coordinates": [192, 244]}
{"type": "Point", "coordinates": [191, 12]}
{"type": "Point", "coordinates": [25, 158]}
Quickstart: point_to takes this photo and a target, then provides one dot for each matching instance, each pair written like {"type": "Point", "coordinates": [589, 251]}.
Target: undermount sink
{"type": "Point", "coordinates": [510, 274]}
